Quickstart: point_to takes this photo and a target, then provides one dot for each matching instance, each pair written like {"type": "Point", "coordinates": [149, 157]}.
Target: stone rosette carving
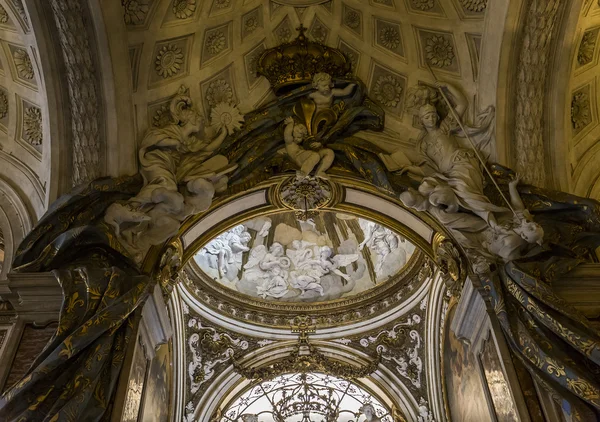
{"type": "Point", "coordinates": [352, 19]}
{"type": "Point", "coordinates": [283, 33]}
{"type": "Point", "coordinates": [251, 23]}
{"type": "Point", "coordinates": [585, 54]}
{"type": "Point", "coordinates": [184, 9]}
{"type": "Point", "coordinates": [168, 61]}
{"type": "Point", "coordinates": [474, 5]}
{"type": "Point", "coordinates": [438, 51]}
{"type": "Point", "coordinates": [388, 91]}
{"type": "Point", "coordinates": [135, 11]}
{"type": "Point", "coordinates": [23, 63]}
{"type": "Point", "coordinates": [389, 37]}
{"type": "Point", "coordinates": [216, 42]}
{"type": "Point", "coordinates": [319, 32]}
{"type": "Point", "coordinates": [305, 195]}
{"type": "Point", "coordinates": [580, 111]}
{"type": "Point", "coordinates": [423, 5]}
{"type": "Point", "coordinates": [32, 123]}
{"type": "Point", "coordinates": [219, 91]}
{"type": "Point", "coordinates": [162, 116]}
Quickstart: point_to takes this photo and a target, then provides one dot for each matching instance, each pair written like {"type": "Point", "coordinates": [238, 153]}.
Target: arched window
{"type": "Point", "coordinates": [306, 397]}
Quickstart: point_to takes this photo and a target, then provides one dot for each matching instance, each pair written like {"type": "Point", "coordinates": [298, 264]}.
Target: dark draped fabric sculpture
{"type": "Point", "coordinates": [554, 341]}
{"type": "Point", "coordinates": [257, 147]}
{"type": "Point", "coordinates": [75, 377]}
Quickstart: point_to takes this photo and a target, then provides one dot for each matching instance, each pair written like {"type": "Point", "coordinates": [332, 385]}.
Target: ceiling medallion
{"type": "Point", "coordinates": [307, 358]}
{"type": "Point", "coordinates": [305, 195]}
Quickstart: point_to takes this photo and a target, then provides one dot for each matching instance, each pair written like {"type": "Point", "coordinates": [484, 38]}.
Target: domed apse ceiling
{"type": "Point", "coordinates": [287, 259]}
{"type": "Point", "coordinates": [211, 47]}
{"type": "Point", "coordinates": [583, 129]}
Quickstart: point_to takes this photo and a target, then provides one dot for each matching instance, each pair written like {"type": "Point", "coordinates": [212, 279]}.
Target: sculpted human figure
{"type": "Point", "coordinates": [181, 175]}
{"type": "Point", "coordinates": [307, 159]}
{"type": "Point", "coordinates": [452, 175]}
{"type": "Point", "coordinates": [513, 236]}
{"type": "Point", "coordinates": [325, 93]}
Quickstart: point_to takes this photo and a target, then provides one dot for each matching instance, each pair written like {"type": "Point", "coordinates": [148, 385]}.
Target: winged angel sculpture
{"type": "Point", "coordinates": [181, 175]}
{"type": "Point", "coordinates": [303, 272]}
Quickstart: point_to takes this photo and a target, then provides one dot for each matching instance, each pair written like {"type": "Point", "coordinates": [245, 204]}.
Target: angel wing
{"type": "Point", "coordinates": [343, 260]}
{"type": "Point", "coordinates": [257, 254]}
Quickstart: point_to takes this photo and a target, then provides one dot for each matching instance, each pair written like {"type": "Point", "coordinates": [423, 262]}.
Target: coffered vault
{"type": "Point", "coordinates": [212, 46]}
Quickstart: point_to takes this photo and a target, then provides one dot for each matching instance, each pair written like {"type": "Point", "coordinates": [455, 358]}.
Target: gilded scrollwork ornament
{"type": "Point", "coordinates": [451, 263]}
{"type": "Point", "coordinates": [169, 267]}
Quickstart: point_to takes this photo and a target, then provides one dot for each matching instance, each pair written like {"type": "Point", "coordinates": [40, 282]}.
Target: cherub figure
{"type": "Point", "coordinates": [294, 135]}
{"type": "Point", "coordinates": [325, 93]}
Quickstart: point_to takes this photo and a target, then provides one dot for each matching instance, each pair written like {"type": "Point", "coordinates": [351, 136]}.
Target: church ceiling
{"type": "Point", "coordinates": [583, 129]}
{"type": "Point", "coordinates": [212, 47]}
{"type": "Point", "coordinates": [24, 137]}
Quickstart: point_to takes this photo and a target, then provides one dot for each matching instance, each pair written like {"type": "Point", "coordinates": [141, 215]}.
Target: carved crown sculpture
{"type": "Point", "coordinates": [296, 62]}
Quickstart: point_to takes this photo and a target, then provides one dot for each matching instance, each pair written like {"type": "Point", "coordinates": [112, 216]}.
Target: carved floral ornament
{"type": "Point", "coordinates": [169, 61]}
{"type": "Point", "coordinates": [32, 122]}
{"type": "Point", "coordinates": [423, 4]}
{"type": "Point", "coordinates": [23, 63]}
{"type": "Point", "coordinates": [184, 9]}
{"type": "Point", "coordinates": [438, 51]}
{"type": "Point", "coordinates": [474, 5]}
{"type": "Point", "coordinates": [135, 11]}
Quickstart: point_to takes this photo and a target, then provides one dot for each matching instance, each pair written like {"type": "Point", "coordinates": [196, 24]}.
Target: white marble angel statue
{"type": "Point", "coordinates": [181, 175]}
{"type": "Point", "coordinates": [224, 252]}
{"type": "Point", "coordinates": [451, 174]}
{"type": "Point", "coordinates": [513, 236]}
{"type": "Point", "coordinates": [266, 272]}
{"type": "Point", "coordinates": [312, 263]}
{"type": "Point", "coordinates": [386, 245]}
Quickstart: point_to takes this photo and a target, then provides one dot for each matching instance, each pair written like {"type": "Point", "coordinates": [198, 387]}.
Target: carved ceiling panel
{"type": "Point", "coordinates": [582, 121]}
{"type": "Point", "coordinates": [24, 133]}
{"type": "Point", "coordinates": [389, 43]}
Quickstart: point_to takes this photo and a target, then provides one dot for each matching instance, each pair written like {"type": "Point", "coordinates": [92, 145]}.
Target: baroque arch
{"type": "Point", "coordinates": [269, 224]}
{"type": "Point", "coordinates": [406, 307]}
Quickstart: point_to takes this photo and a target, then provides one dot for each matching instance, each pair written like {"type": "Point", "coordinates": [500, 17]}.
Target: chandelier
{"type": "Point", "coordinates": [307, 386]}
{"type": "Point", "coordinates": [304, 397]}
